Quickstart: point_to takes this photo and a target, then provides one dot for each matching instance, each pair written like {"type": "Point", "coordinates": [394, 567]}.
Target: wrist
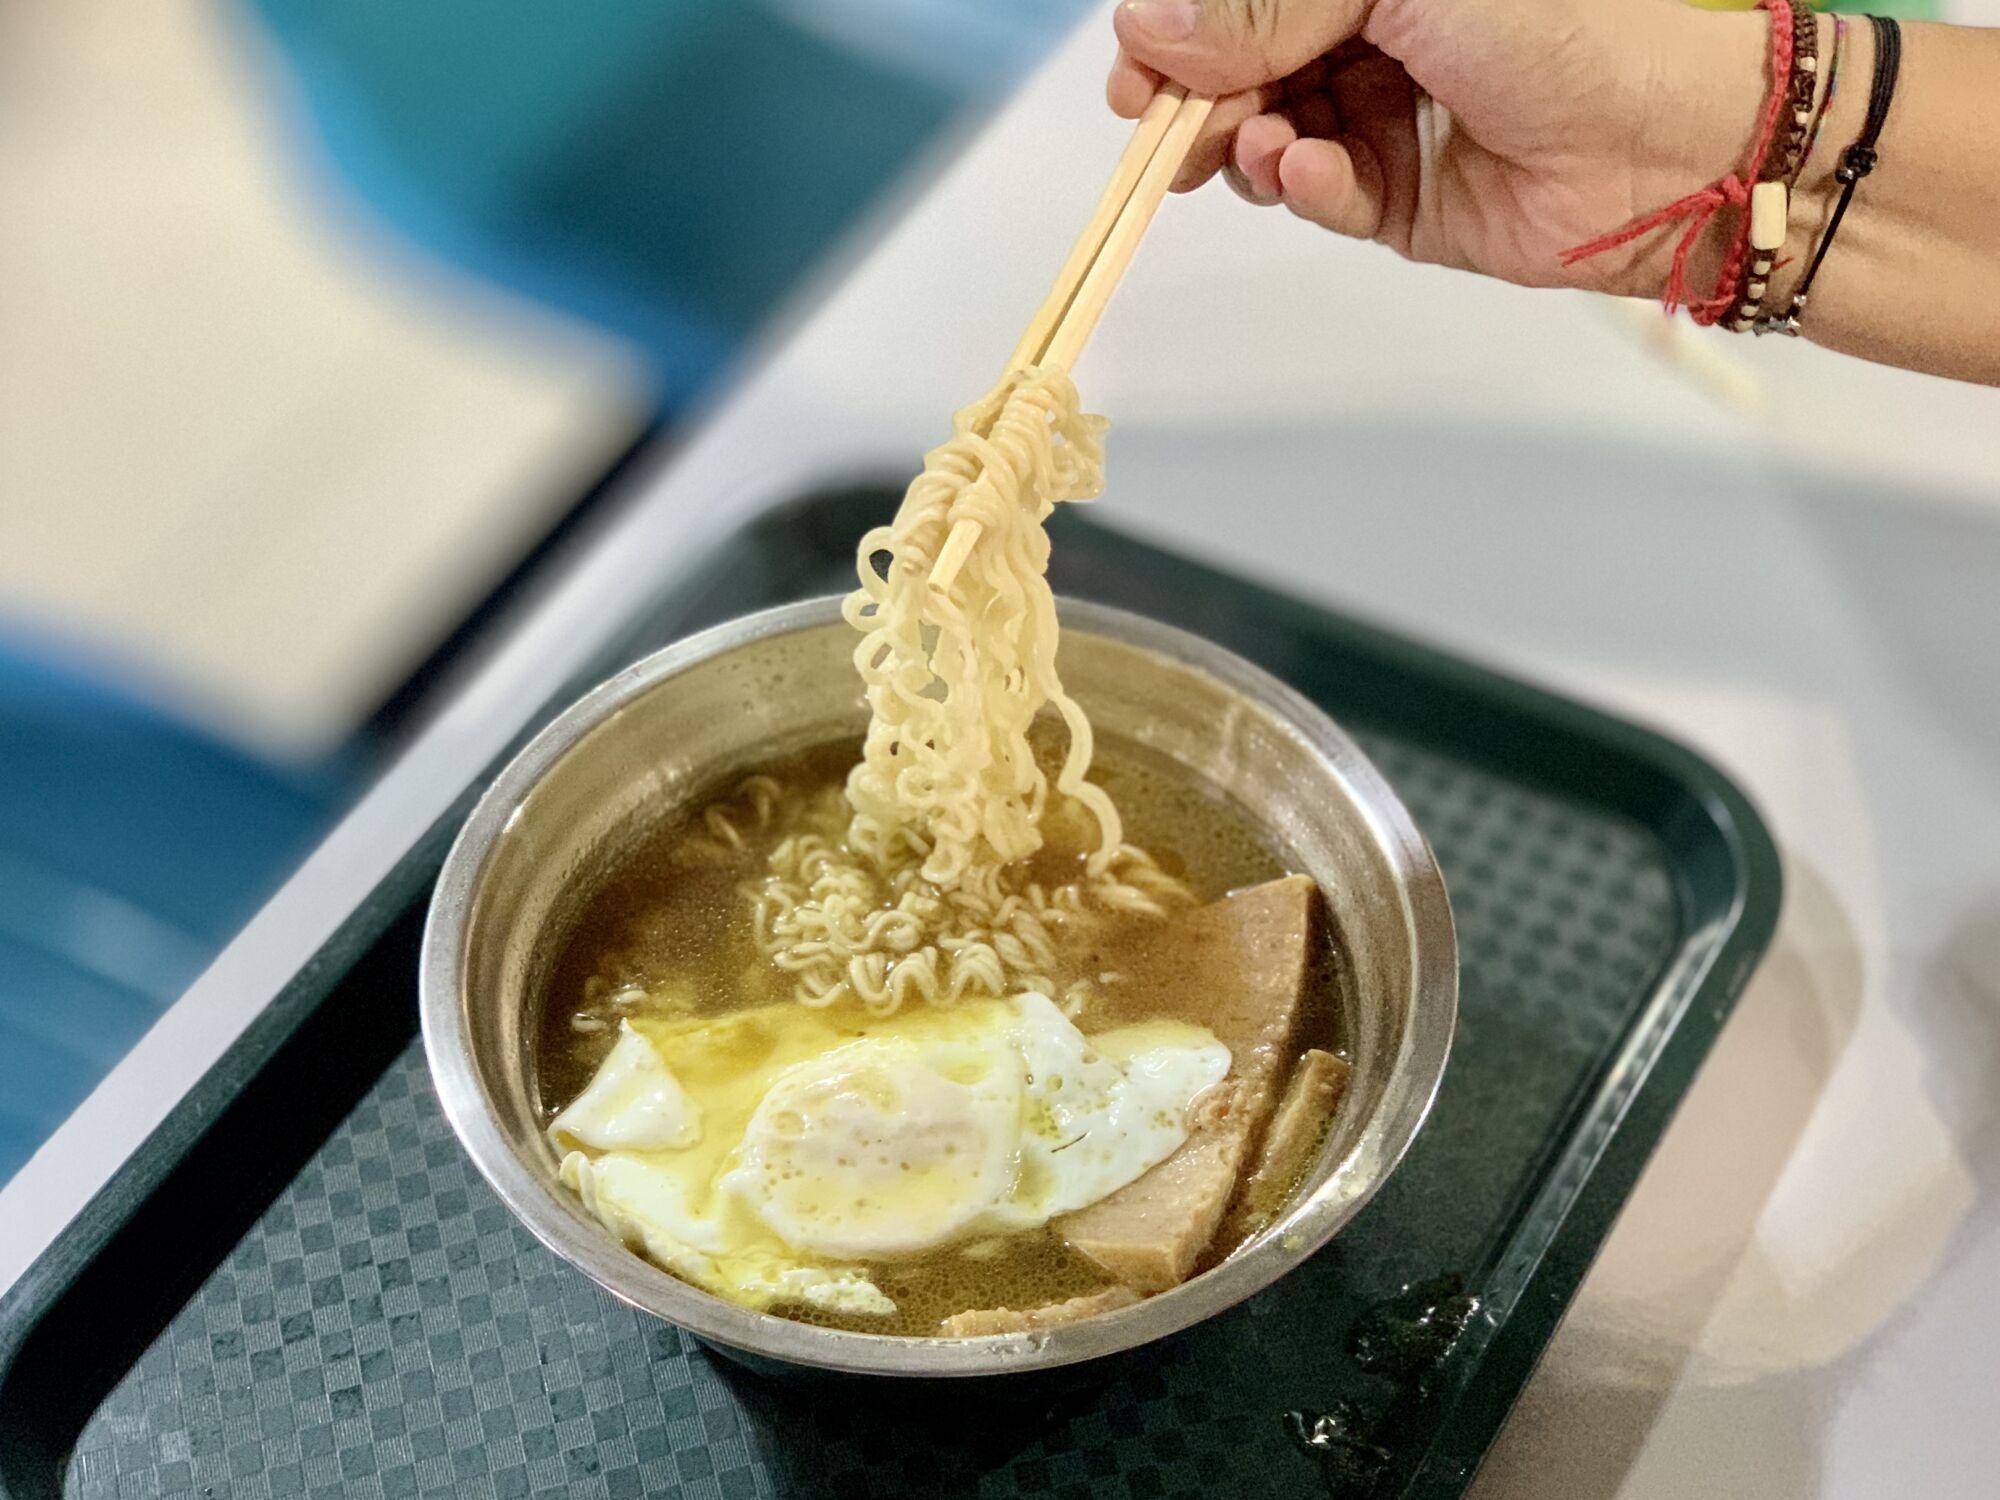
{"type": "Point", "coordinates": [1697, 125]}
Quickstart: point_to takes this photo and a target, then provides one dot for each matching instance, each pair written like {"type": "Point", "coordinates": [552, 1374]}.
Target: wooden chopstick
{"type": "Point", "coordinates": [1146, 138]}
{"type": "Point", "coordinates": [1076, 325]}
{"type": "Point", "coordinates": [1099, 258]}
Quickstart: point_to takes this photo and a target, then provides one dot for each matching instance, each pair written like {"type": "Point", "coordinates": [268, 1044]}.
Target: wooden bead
{"type": "Point", "coordinates": [1809, 65]}
{"type": "Point", "coordinates": [1769, 208]}
{"type": "Point", "coordinates": [1756, 288]}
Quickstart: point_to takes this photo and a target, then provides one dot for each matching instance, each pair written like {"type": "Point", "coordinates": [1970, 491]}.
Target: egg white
{"type": "Point", "coordinates": [762, 1154]}
{"type": "Point", "coordinates": [634, 1100]}
{"type": "Point", "coordinates": [1101, 1110]}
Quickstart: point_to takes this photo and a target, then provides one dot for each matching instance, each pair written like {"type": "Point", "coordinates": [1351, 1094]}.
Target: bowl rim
{"type": "Point", "coordinates": [1313, 1220]}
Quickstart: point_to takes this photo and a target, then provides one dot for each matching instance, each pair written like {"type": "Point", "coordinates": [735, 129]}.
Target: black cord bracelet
{"type": "Point", "coordinates": [1856, 162]}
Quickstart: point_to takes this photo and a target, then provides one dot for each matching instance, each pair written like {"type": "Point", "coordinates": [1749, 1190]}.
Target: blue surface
{"type": "Point", "coordinates": [132, 847]}
{"type": "Point", "coordinates": [668, 168]}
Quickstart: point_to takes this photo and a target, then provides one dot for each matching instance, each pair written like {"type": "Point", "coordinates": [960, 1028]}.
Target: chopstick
{"type": "Point", "coordinates": [1146, 138]}
{"type": "Point", "coordinates": [1056, 336]}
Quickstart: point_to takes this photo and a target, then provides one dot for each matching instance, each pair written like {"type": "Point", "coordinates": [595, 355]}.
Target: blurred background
{"type": "Point", "coordinates": [319, 325]}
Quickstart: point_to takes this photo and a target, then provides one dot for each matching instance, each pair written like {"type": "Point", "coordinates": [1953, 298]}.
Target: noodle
{"type": "Point", "coordinates": [922, 894]}
{"type": "Point", "coordinates": [954, 679]}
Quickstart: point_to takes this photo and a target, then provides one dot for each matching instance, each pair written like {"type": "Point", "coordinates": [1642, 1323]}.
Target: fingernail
{"type": "Point", "coordinates": [1164, 20]}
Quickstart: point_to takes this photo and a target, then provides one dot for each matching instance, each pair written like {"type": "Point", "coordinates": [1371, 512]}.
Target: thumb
{"type": "Point", "coordinates": [1225, 46]}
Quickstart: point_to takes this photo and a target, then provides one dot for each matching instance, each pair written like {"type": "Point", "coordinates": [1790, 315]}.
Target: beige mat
{"type": "Point", "coordinates": [247, 442]}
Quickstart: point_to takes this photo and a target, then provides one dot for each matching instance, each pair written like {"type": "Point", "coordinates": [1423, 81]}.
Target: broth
{"type": "Point", "coordinates": [671, 919]}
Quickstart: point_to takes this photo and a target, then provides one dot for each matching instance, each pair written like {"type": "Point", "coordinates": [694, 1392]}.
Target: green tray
{"type": "Point", "coordinates": [298, 1286]}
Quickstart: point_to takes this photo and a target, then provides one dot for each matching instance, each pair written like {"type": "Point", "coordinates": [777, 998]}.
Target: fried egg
{"type": "Point", "coordinates": [769, 1155]}
{"type": "Point", "coordinates": [632, 1101]}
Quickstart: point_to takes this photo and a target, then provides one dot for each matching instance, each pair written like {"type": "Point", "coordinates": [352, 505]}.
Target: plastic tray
{"type": "Point", "coordinates": [299, 1286]}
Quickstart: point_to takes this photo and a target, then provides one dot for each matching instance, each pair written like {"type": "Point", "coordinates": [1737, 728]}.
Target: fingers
{"type": "Point", "coordinates": [1260, 143]}
{"type": "Point", "coordinates": [1377, 106]}
{"type": "Point", "coordinates": [1335, 184]}
{"type": "Point", "coordinates": [1282, 141]}
{"type": "Point", "coordinates": [1131, 86]}
{"type": "Point", "coordinates": [1229, 46]}
{"type": "Point", "coordinates": [1212, 146]}
{"type": "Point", "coordinates": [1316, 116]}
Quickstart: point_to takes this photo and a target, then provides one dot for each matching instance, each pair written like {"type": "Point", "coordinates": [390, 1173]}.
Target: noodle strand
{"type": "Point", "coordinates": [925, 896]}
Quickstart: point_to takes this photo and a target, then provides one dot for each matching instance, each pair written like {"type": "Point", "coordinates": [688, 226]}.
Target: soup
{"type": "Point", "coordinates": [941, 1162]}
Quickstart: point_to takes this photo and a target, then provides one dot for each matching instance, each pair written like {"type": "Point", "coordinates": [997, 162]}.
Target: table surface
{"type": "Point", "coordinates": [1797, 1300]}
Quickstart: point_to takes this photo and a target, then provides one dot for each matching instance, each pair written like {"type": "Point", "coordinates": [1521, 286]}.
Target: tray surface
{"type": "Point", "coordinates": [382, 1327]}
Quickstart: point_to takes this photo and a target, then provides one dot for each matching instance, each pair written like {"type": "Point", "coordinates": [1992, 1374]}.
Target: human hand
{"type": "Point", "coordinates": [1489, 135]}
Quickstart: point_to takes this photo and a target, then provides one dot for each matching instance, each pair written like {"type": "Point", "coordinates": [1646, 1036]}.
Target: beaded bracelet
{"type": "Point", "coordinates": [1832, 88]}
{"type": "Point", "coordinates": [1856, 162]}
{"type": "Point", "coordinates": [1770, 198]}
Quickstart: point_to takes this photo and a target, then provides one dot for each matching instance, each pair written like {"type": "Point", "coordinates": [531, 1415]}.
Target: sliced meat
{"type": "Point", "coordinates": [1238, 967]}
{"type": "Point", "coordinates": [1308, 1102]}
{"type": "Point", "coordinates": [1150, 1233]}
{"type": "Point", "coordinates": [970, 1325]}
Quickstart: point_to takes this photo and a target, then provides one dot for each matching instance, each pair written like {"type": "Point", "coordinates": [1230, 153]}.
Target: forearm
{"type": "Point", "coordinates": [1913, 277]}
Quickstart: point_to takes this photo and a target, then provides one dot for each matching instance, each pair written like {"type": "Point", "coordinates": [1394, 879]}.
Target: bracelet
{"type": "Point", "coordinates": [1770, 197]}
{"type": "Point", "coordinates": [1832, 88]}
{"type": "Point", "coordinates": [1700, 207]}
{"type": "Point", "coordinates": [1856, 162]}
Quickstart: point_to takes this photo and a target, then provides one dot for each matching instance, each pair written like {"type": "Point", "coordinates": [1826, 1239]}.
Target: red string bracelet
{"type": "Point", "coordinates": [1702, 205]}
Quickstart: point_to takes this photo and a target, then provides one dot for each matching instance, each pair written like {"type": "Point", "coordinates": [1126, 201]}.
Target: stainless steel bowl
{"type": "Point", "coordinates": [668, 729]}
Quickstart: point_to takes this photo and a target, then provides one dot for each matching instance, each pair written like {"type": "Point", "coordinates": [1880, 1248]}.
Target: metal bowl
{"type": "Point", "coordinates": [669, 729]}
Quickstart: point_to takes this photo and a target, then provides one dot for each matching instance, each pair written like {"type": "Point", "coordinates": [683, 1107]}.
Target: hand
{"type": "Point", "coordinates": [1490, 135]}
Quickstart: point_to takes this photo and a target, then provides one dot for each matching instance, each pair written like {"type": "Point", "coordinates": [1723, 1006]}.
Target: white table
{"type": "Point", "coordinates": [1798, 1300]}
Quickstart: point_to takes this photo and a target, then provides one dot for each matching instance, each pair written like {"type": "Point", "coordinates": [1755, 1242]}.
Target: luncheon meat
{"type": "Point", "coordinates": [1150, 1233]}
{"type": "Point", "coordinates": [1239, 967]}
{"type": "Point", "coordinates": [1316, 1086]}
{"type": "Point", "coordinates": [1308, 1103]}
{"type": "Point", "coordinates": [969, 1325]}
